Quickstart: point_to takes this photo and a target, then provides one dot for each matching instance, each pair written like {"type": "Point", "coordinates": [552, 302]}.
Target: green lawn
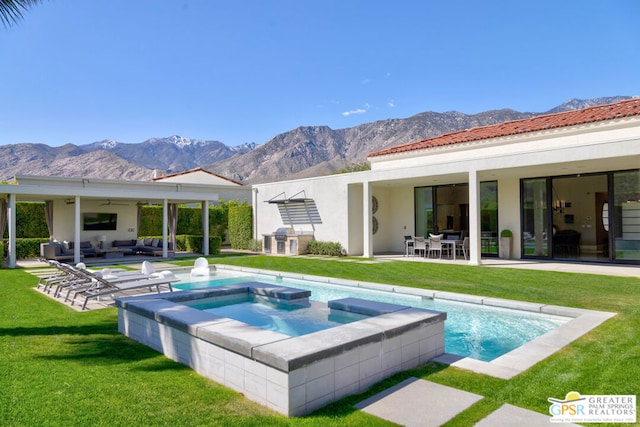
{"type": "Point", "coordinates": [62, 367]}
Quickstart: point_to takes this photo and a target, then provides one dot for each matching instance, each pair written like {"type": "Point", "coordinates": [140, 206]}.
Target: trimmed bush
{"type": "Point", "coordinates": [25, 248]}
{"type": "Point", "coordinates": [241, 226]}
{"type": "Point", "coordinates": [256, 245]}
{"type": "Point", "coordinates": [189, 221]}
{"type": "Point", "coordinates": [317, 247]}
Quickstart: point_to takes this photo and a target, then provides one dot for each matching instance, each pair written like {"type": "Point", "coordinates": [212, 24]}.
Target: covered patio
{"type": "Point", "coordinates": [114, 205]}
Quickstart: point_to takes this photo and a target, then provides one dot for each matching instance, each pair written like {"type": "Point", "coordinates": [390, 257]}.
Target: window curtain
{"type": "Point", "coordinates": [3, 217]}
{"type": "Point", "coordinates": [173, 223]}
{"type": "Point", "coordinates": [48, 216]}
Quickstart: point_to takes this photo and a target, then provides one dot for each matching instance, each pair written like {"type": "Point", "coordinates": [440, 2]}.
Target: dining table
{"type": "Point", "coordinates": [451, 243]}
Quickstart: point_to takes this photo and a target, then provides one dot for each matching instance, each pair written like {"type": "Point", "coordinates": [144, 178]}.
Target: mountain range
{"type": "Point", "coordinates": [302, 152]}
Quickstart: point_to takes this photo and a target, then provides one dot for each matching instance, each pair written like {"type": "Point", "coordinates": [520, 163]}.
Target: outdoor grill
{"type": "Point", "coordinates": [280, 235]}
{"type": "Point", "coordinates": [286, 241]}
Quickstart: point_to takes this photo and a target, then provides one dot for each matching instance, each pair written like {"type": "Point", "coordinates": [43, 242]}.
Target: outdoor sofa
{"type": "Point", "coordinates": [146, 246]}
{"type": "Point", "coordinates": [65, 250]}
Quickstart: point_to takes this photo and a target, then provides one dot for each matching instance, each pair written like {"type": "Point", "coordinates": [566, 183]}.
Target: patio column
{"type": "Point", "coordinates": [475, 226]}
{"type": "Point", "coordinates": [11, 219]}
{"type": "Point", "coordinates": [205, 227]}
{"type": "Point", "coordinates": [165, 226]}
{"type": "Point", "coordinates": [367, 244]}
{"type": "Point", "coordinates": [76, 232]}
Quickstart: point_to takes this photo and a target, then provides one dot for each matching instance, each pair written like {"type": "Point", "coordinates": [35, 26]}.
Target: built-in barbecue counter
{"type": "Point", "coordinates": [299, 216]}
{"type": "Point", "coordinates": [286, 241]}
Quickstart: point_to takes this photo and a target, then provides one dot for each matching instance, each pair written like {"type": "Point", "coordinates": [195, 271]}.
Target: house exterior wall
{"type": "Point", "coordinates": [64, 221]}
{"type": "Point", "coordinates": [590, 148]}
{"type": "Point", "coordinates": [335, 200]}
{"type": "Point", "coordinates": [509, 210]}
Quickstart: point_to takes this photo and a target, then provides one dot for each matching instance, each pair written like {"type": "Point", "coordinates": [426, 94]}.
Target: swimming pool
{"type": "Point", "coordinates": [290, 318]}
{"type": "Point", "coordinates": [476, 331]}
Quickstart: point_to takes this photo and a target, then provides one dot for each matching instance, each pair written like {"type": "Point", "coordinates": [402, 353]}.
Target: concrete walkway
{"type": "Point", "coordinates": [606, 269]}
{"type": "Point", "coordinates": [421, 403]}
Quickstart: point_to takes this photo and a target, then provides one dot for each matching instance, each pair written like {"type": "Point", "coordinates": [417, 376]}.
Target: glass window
{"type": "Point", "coordinates": [452, 209]}
{"type": "Point", "coordinates": [625, 221]}
{"type": "Point", "coordinates": [489, 217]}
{"type": "Point", "coordinates": [423, 210]}
{"type": "Point", "coordinates": [535, 233]}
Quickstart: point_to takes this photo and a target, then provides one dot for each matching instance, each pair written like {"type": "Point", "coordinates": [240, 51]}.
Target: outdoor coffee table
{"type": "Point", "coordinates": [112, 253]}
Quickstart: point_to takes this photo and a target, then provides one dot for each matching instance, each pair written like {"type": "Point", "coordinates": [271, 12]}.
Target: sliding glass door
{"type": "Point", "coordinates": [445, 209]}
{"type": "Point", "coordinates": [625, 216]}
{"type": "Point", "coordinates": [535, 217]}
{"type": "Point", "coordinates": [590, 217]}
{"type": "Point", "coordinates": [423, 199]}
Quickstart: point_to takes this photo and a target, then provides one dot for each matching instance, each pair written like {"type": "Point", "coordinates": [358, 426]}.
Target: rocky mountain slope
{"type": "Point", "coordinates": [301, 152]}
{"type": "Point", "coordinates": [67, 160]}
{"type": "Point", "coordinates": [172, 154]}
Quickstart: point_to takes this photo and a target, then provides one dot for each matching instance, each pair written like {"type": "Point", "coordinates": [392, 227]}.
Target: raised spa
{"type": "Point", "coordinates": [359, 343]}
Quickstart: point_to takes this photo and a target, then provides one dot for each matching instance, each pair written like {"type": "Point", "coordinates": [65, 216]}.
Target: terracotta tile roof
{"type": "Point", "coordinates": [598, 113]}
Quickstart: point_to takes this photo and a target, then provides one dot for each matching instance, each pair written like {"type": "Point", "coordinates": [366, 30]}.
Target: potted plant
{"type": "Point", "coordinates": [506, 237]}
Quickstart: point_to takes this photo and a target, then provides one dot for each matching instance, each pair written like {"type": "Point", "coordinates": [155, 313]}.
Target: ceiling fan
{"type": "Point", "coordinates": [108, 202]}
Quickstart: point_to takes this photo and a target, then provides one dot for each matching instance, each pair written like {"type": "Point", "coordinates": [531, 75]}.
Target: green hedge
{"type": "Point", "coordinates": [193, 243]}
{"type": "Point", "coordinates": [241, 226]}
{"type": "Point", "coordinates": [189, 220]}
{"type": "Point", "coordinates": [25, 248]}
{"type": "Point", "coordinates": [317, 247]}
{"type": "Point", "coordinates": [30, 221]}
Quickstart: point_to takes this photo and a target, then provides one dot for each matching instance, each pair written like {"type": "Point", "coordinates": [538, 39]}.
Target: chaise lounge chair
{"type": "Point", "coordinates": [102, 287]}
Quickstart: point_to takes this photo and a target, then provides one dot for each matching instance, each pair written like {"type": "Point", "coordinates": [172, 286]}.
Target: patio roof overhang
{"type": "Point", "coordinates": [36, 188]}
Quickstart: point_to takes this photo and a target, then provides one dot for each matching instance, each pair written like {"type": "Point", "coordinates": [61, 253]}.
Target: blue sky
{"type": "Point", "coordinates": [78, 71]}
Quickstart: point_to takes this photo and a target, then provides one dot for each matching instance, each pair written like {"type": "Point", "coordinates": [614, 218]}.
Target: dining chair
{"type": "Point", "coordinates": [408, 245]}
{"type": "Point", "coordinates": [463, 247]}
{"type": "Point", "coordinates": [435, 245]}
{"type": "Point", "coordinates": [420, 246]}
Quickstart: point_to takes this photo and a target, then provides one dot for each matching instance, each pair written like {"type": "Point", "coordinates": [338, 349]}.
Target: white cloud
{"type": "Point", "coordinates": [357, 111]}
{"type": "Point", "coordinates": [391, 103]}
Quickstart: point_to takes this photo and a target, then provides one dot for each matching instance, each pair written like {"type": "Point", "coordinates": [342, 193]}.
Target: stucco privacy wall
{"type": "Point", "coordinates": [331, 194]}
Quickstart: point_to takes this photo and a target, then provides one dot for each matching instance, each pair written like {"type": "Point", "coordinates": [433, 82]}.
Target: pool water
{"type": "Point", "coordinates": [471, 330]}
{"type": "Point", "coordinates": [293, 319]}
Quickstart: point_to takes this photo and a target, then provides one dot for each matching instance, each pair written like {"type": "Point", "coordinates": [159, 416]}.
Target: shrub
{"type": "Point", "coordinates": [317, 247]}
{"type": "Point", "coordinates": [189, 220]}
{"type": "Point", "coordinates": [25, 248]}
{"type": "Point", "coordinates": [240, 226]}
{"type": "Point", "coordinates": [256, 245]}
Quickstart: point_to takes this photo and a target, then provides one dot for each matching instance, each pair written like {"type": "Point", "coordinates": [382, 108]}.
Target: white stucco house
{"type": "Point", "coordinates": [95, 210]}
{"type": "Point", "coordinates": [567, 185]}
